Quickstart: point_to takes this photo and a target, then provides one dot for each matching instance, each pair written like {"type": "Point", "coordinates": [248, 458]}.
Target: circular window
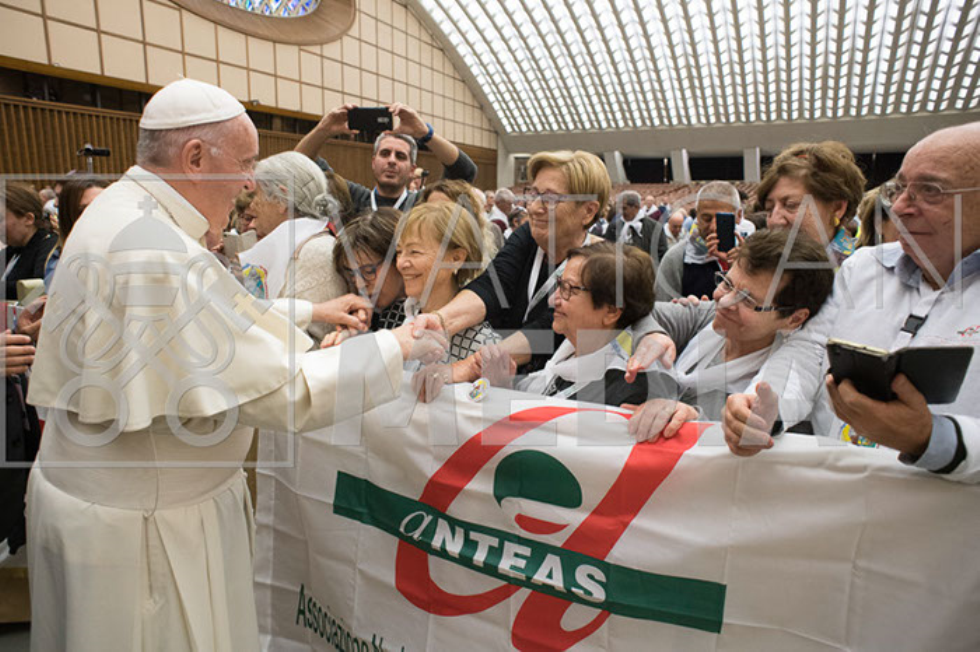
{"type": "Point", "coordinates": [302, 22]}
{"type": "Point", "coordinates": [276, 8]}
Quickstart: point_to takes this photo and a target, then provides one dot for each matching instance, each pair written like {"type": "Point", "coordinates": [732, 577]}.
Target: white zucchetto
{"type": "Point", "coordinates": [188, 103]}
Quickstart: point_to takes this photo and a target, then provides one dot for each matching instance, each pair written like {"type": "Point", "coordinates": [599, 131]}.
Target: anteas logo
{"type": "Point", "coordinates": [576, 572]}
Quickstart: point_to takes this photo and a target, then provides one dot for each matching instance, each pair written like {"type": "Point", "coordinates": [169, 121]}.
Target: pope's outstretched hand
{"type": "Point", "coordinates": [347, 311]}
{"type": "Point", "coordinates": [423, 339]}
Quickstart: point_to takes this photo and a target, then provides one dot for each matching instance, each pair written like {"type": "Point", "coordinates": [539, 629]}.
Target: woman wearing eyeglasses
{"type": "Point", "coordinates": [364, 256]}
{"type": "Point", "coordinates": [725, 342]}
{"type": "Point", "coordinates": [567, 190]}
{"type": "Point", "coordinates": [590, 364]}
{"type": "Point", "coordinates": [820, 184]}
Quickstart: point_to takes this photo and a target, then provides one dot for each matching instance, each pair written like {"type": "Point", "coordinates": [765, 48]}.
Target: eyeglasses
{"type": "Point", "coordinates": [366, 272]}
{"type": "Point", "coordinates": [929, 192]}
{"type": "Point", "coordinates": [742, 296]}
{"type": "Point", "coordinates": [548, 198]}
{"type": "Point", "coordinates": [566, 289]}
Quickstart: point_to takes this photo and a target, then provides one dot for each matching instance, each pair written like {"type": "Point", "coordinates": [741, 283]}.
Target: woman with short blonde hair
{"type": "Point", "coordinates": [440, 250]}
{"type": "Point", "coordinates": [459, 192]}
{"type": "Point", "coordinates": [566, 192]}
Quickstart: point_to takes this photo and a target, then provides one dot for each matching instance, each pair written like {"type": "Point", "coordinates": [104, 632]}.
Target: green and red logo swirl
{"type": "Point", "coordinates": [558, 576]}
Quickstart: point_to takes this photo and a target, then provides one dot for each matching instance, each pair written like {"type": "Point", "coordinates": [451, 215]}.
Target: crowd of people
{"type": "Point", "coordinates": [563, 291]}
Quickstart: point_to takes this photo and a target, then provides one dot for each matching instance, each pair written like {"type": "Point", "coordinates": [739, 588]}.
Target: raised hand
{"type": "Point", "coordinates": [651, 348]}
{"type": "Point", "coordinates": [335, 122]}
{"type": "Point", "coordinates": [409, 121]}
{"type": "Point", "coordinates": [748, 419]}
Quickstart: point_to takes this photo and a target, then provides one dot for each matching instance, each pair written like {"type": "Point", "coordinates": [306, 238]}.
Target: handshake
{"type": "Point", "coordinates": [424, 339]}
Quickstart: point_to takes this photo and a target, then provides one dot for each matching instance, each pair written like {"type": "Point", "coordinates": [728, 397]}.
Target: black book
{"type": "Point", "coordinates": [936, 371]}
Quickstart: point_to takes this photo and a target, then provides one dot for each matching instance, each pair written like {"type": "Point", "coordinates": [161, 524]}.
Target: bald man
{"type": "Point", "coordinates": [921, 291]}
{"type": "Point", "coordinates": [675, 227]}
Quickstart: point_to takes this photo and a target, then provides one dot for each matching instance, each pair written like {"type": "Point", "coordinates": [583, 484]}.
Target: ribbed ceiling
{"type": "Point", "coordinates": [548, 66]}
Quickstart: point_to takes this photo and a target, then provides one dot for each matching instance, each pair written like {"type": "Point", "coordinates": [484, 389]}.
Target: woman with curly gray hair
{"type": "Point", "coordinates": [294, 256]}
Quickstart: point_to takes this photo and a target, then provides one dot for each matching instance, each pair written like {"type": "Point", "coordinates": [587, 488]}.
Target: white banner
{"type": "Point", "coordinates": [533, 524]}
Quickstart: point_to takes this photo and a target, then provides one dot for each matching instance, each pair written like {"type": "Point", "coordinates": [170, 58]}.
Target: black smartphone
{"type": "Point", "coordinates": [725, 228]}
{"type": "Point", "coordinates": [371, 120]}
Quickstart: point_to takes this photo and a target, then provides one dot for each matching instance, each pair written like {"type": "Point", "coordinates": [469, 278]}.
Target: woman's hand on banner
{"type": "Point", "coordinates": [428, 381]}
{"type": "Point", "coordinates": [659, 417]}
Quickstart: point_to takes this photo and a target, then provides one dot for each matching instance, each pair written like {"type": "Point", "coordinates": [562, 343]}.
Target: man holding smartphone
{"type": "Point", "coordinates": [690, 270]}
{"type": "Point", "coordinates": [393, 160]}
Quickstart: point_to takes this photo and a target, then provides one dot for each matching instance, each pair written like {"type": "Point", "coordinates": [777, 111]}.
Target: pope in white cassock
{"type": "Point", "coordinates": [155, 365]}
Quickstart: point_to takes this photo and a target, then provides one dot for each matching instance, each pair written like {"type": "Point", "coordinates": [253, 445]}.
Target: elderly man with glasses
{"type": "Point", "coordinates": [921, 291]}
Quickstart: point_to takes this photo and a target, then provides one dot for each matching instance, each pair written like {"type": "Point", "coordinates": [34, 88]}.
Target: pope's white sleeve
{"type": "Point", "coordinates": [331, 385]}
{"type": "Point", "coordinates": [298, 311]}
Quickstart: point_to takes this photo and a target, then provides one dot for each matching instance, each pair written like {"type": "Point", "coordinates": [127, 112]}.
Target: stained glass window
{"type": "Point", "coordinates": [274, 8]}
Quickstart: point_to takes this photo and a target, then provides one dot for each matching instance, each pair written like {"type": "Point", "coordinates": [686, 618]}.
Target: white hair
{"type": "Point", "coordinates": [292, 179]}
{"type": "Point", "coordinates": [504, 194]}
{"type": "Point", "coordinates": [160, 148]}
{"type": "Point", "coordinates": [721, 191]}
{"type": "Point", "coordinates": [480, 196]}
{"type": "Point", "coordinates": [629, 198]}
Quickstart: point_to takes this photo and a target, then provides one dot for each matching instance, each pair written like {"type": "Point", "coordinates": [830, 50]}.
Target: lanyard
{"type": "Point", "coordinates": [398, 204]}
{"type": "Point", "coordinates": [533, 298]}
{"type": "Point", "coordinates": [571, 390]}
{"type": "Point", "coordinates": [575, 388]}
{"type": "Point", "coordinates": [920, 312]}
{"type": "Point", "coordinates": [10, 266]}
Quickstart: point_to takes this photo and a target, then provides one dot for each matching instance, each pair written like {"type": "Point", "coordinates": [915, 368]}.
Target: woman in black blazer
{"type": "Point", "coordinates": [28, 241]}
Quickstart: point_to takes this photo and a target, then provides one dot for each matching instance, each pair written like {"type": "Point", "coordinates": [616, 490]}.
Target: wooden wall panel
{"type": "Point", "coordinates": [43, 137]}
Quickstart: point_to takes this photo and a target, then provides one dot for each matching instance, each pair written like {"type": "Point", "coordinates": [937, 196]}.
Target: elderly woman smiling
{"type": "Point", "coordinates": [777, 283]}
{"type": "Point", "coordinates": [818, 185]}
{"type": "Point", "coordinates": [590, 365]}
{"type": "Point", "coordinates": [294, 257]}
{"type": "Point", "coordinates": [440, 249]}
{"type": "Point", "coordinates": [566, 192]}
